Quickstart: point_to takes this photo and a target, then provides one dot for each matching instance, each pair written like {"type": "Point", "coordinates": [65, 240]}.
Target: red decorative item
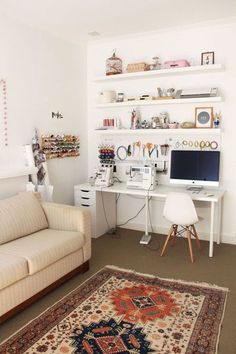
{"type": "Point", "coordinates": [4, 110]}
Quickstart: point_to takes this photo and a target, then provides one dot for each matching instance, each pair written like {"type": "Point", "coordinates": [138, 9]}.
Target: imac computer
{"type": "Point", "coordinates": [195, 168]}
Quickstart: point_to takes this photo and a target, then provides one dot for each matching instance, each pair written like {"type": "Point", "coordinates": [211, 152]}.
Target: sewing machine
{"type": "Point", "coordinates": [104, 176]}
{"type": "Point", "coordinates": [142, 177]}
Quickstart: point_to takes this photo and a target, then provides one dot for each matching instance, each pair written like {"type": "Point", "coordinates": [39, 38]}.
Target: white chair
{"type": "Point", "coordinates": [180, 211]}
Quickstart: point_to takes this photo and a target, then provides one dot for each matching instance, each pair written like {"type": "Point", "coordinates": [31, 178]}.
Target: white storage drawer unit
{"type": "Point", "coordinates": [101, 204]}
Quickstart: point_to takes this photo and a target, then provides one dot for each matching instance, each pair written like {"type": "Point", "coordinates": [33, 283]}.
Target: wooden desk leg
{"type": "Point", "coordinates": [219, 220]}
{"type": "Point", "coordinates": [212, 229]}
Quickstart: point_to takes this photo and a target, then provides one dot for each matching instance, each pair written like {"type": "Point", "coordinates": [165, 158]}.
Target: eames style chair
{"type": "Point", "coordinates": [180, 211]}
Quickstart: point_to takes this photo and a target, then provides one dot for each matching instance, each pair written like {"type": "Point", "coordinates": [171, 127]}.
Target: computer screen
{"type": "Point", "coordinates": [195, 167]}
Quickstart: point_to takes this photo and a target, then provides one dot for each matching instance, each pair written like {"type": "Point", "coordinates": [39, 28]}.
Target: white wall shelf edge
{"type": "Point", "coordinates": [11, 173]}
{"type": "Point", "coordinates": [163, 72]}
{"type": "Point", "coordinates": [160, 102]}
{"type": "Point", "coordinates": [179, 131]}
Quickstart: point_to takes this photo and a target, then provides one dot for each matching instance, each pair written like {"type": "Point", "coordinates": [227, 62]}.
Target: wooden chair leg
{"type": "Point", "coordinates": [190, 244]}
{"type": "Point", "coordinates": [174, 235]}
{"type": "Point", "coordinates": [167, 239]}
{"type": "Point", "coordinates": [196, 235]}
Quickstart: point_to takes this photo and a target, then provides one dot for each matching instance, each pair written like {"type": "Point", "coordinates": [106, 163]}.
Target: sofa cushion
{"type": "Point", "coordinates": [44, 247]}
{"type": "Point", "coordinates": [19, 216]}
{"type": "Point", "coordinates": [12, 269]}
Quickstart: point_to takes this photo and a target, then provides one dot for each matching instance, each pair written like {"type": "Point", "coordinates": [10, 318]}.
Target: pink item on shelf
{"type": "Point", "coordinates": [176, 64]}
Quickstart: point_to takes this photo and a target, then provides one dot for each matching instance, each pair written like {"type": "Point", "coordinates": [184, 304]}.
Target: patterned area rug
{"type": "Point", "coordinates": [120, 311]}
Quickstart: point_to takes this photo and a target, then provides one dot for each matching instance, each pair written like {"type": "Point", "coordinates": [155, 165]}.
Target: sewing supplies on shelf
{"type": "Point", "coordinates": [216, 119]}
{"type": "Point", "coordinates": [156, 65]}
{"type": "Point", "coordinates": [135, 120]}
{"type": "Point", "coordinates": [107, 97]}
{"type": "Point", "coordinates": [164, 149]}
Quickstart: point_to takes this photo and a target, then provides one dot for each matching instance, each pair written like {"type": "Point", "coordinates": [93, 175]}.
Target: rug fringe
{"type": "Point", "coordinates": [220, 325]}
{"type": "Point", "coordinates": [198, 283]}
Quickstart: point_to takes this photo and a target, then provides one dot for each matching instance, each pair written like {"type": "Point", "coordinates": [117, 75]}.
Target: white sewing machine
{"type": "Point", "coordinates": [104, 176]}
{"type": "Point", "coordinates": [142, 177]}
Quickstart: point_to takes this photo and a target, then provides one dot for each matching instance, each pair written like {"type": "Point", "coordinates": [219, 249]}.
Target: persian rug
{"type": "Point", "coordinates": [120, 311]}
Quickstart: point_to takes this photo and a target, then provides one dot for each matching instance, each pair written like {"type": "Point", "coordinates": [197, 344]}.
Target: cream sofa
{"type": "Point", "coordinates": [41, 245]}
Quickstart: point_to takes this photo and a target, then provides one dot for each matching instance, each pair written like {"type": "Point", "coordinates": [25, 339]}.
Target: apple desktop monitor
{"type": "Point", "coordinates": [195, 168]}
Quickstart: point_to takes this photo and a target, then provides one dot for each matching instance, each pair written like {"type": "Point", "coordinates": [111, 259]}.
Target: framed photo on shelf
{"type": "Point", "coordinates": [207, 58]}
{"type": "Point", "coordinates": [203, 117]}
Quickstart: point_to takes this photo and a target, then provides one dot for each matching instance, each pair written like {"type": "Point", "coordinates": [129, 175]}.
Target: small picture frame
{"type": "Point", "coordinates": [207, 58]}
{"type": "Point", "coordinates": [203, 117]}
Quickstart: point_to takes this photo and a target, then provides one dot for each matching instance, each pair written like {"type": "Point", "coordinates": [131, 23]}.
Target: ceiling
{"type": "Point", "coordinates": [73, 19]}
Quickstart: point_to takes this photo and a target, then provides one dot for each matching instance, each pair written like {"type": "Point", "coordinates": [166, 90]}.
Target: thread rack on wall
{"type": "Point", "coordinates": [59, 146]}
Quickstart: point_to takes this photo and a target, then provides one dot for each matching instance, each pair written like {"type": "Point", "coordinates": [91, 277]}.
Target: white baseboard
{"type": "Point", "coordinates": [230, 239]}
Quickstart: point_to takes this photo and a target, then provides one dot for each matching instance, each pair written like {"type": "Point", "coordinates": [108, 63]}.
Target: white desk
{"type": "Point", "coordinates": [214, 197]}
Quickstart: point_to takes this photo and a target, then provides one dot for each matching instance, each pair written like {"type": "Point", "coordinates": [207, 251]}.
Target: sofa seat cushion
{"type": "Point", "coordinates": [20, 215]}
{"type": "Point", "coordinates": [44, 247]}
{"type": "Point", "coordinates": [12, 269]}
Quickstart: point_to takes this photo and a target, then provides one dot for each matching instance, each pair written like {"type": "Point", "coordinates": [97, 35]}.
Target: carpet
{"type": "Point", "coordinates": [120, 311]}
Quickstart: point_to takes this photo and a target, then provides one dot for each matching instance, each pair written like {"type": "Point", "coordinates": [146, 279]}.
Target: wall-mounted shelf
{"type": "Point", "coordinates": [160, 102]}
{"type": "Point", "coordinates": [24, 171]}
{"type": "Point", "coordinates": [163, 72]}
{"type": "Point", "coordinates": [195, 131]}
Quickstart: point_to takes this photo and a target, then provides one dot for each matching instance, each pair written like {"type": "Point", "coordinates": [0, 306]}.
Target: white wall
{"type": "Point", "coordinates": [186, 43]}
{"type": "Point", "coordinates": [45, 74]}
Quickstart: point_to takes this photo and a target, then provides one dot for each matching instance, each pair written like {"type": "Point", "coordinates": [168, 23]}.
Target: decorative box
{"type": "Point", "coordinates": [176, 64]}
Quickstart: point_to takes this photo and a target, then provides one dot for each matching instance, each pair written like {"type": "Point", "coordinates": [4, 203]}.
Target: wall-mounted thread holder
{"type": "Point", "coordinates": [106, 154]}
{"type": "Point", "coordinates": [59, 146]}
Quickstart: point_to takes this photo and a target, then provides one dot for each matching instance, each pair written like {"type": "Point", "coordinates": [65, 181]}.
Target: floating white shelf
{"type": "Point", "coordinates": [163, 72]}
{"type": "Point", "coordinates": [160, 102]}
{"type": "Point", "coordinates": [18, 172]}
{"type": "Point", "coordinates": [179, 131]}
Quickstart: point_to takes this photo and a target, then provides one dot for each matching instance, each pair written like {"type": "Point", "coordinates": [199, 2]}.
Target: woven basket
{"type": "Point", "coordinates": [131, 68]}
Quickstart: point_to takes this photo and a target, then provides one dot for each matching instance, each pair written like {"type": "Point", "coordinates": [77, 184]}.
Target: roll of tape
{"type": "Point", "coordinates": [202, 144]}
{"type": "Point", "coordinates": [214, 145]}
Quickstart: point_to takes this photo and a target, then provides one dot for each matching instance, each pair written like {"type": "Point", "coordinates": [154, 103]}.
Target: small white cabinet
{"type": "Point", "coordinates": [102, 206]}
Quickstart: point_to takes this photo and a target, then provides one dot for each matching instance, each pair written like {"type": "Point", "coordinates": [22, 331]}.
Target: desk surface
{"type": "Point", "coordinates": [161, 191]}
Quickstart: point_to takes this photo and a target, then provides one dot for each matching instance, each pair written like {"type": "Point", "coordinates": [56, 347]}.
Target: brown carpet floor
{"type": "Point", "coordinates": [125, 251]}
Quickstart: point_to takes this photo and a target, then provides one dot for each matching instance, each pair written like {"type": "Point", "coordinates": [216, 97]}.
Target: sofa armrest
{"type": "Point", "coordinates": [68, 218]}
